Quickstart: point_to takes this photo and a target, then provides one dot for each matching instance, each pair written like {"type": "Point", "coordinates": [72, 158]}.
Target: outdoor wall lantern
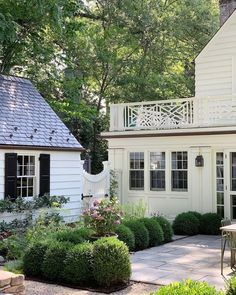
{"type": "Point", "coordinates": [199, 161]}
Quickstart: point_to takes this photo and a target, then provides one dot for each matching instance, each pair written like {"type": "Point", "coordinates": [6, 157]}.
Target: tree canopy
{"type": "Point", "coordinates": [84, 55]}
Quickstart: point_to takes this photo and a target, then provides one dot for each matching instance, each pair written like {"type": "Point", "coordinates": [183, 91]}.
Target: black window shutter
{"type": "Point", "coordinates": [10, 175]}
{"type": "Point", "coordinates": [44, 182]}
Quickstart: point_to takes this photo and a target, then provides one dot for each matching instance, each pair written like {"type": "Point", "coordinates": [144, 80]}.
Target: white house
{"type": "Point", "coordinates": [38, 154]}
{"type": "Point", "coordinates": [179, 155]}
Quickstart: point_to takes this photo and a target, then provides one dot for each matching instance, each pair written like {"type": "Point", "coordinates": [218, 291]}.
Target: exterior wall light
{"type": "Point", "coordinates": [199, 161]}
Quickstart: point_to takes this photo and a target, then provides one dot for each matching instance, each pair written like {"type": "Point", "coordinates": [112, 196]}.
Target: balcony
{"type": "Point", "coordinates": [184, 113]}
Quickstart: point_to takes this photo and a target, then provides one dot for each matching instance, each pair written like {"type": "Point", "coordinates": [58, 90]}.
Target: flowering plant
{"type": "Point", "coordinates": [103, 216]}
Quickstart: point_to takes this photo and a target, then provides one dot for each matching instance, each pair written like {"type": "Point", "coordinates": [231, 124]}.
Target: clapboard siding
{"type": "Point", "coordinates": [215, 73]}
{"type": "Point", "coordinates": [65, 179]}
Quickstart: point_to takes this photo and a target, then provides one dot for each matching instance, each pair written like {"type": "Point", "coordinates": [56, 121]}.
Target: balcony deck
{"type": "Point", "coordinates": [186, 113]}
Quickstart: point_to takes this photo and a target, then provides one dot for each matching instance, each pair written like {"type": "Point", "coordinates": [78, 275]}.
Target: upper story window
{"type": "Point", "coordinates": [25, 176]}
{"type": "Point", "coordinates": [136, 173]}
{"type": "Point", "coordinates": [157, 171]}
{"type": "Point", "coordinates": [179, 171]}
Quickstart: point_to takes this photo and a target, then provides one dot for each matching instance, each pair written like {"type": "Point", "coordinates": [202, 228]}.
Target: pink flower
{"type": "Point", "coordinates": [117, 222]}
{"type": "Point", "coordinates": [96, 203]}
{"type": "Point", "coordinates": [94, 215]}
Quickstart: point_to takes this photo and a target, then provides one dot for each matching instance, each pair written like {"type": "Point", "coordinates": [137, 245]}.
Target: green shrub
{"type": "Point", "coordinates": [69, 235]}
{"type": "Point", "coordinates": [156, 235]}
{"type": "Point", "coordinates": [196, 214]}
{"type": "Point", "coordinates": [53, 263]}
{"type": "Point", "coordinates": [188, 288]}
{"type": "Point", "coordinates": [78, 264]}
{"type": "Point", "coordinates": [15, 266]}
{"type": "Point", "coordinates": [166, 227]}
{"type": "Point", "coordinates": [13, 247]}
{"type": "Point", "coordinates": [231, 286]}
{"type": "Point", "coordinates": [111, 262]}
{"type": "Point", "coordinates": [210, 224]}
{"type": "Point", "coordinates": [140, 232]}
{"type": "Point", "coordinates": [186, 224]}
{"type": "Point", "coordinates": [85, 233]}
{"type": "Point", "coordinates": [126, 235]}
{"type": "Point", "coordinates": [33, 259]}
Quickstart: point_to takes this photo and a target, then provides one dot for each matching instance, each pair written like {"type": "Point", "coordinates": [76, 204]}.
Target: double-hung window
{"type": "Point", "coordinates": [136, 172]}
{"type": "Point", "coordinates": [157, 171]}
{"type": "Point", "coordinates": [25, 176]}
{"type": "Point", "coordinates": [179, 171]}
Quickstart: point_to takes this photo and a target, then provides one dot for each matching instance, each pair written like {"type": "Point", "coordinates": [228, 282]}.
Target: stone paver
{"type": "Point", "coordinates": [196, 258]}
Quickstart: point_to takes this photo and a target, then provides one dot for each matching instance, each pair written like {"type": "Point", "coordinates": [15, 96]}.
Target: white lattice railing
{"type": "Point", "coordinates": [172, 114]}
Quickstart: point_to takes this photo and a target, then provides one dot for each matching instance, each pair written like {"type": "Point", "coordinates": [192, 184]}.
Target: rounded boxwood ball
{"type": "Point", "coordinates": [210, 224]}
{"type": "Point", "coordinates": [78, 264]}
{"type": "Point", "coordinates": [186, 224]}
{"type": "Point", "coordinates": [33, 259]}
{"type": "Point", "coordinates": [126, 235]}
{"type": "Point", "coordinates": [166, 227]}
{"type": "Point", "coordinates": [53, 263]}
{"type": "Point", "coordinates": [140, 232]}
{"type": "Point", "coordinates": [156, 236]}
{"type": "Point", "coordinates": [111, 264]}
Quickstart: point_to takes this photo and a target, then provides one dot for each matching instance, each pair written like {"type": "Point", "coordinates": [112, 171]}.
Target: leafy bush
{"type": "Point", "coordinates": [78, 264]}
{"type": "Point", "coordinates": [15, 266]}
{"type": "Point", "coordinates": [196, 214]}
{"type": "Point", "coordinates": [13, 247]}
{"type": "Point", "coordinates": [126, 235]}
{"type": "Point", "coordinates": [33, 259]}
{"type": "Point", "coordinates": [69, 235]}
{"type": "Point", "coordinates": [111, 262]}
{"type": "Point", "coordinates": [188, 287]}
{"type": "Point", "coordinates": [156, 235]}
{"type": "Point", "coordinates": [140, 232]}
{"type": "Point", "coordinates": [53, 263]}
{"type": "Point", "coordinates": [231, 286]}
{"type": "Point", "coordinates": [210, 224]}
{"type": "Point", "coordinates": [166, 227]}
{"type": "Point", "coordinates": [186, 224]}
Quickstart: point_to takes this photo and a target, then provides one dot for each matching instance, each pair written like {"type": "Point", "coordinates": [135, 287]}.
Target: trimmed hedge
{"type": "Point", "coordinates": [53, 263]}
{"type": "Point", "coordinates": [111, 264]}
{"type": "Point", "coordinates": [210, 224]}
{"type": "Point", "coordinates": [186, 224]}
{"type": "Point", "coordinates": [188, 287]}
{"type": "Point", "coordinates": [78, 264]}
{"type": "Point", "coordinates": [140, 232]}
{"type": "Point", "coordinates": [126, 235]}
{"type": "Point", "coordinates": [156, 235]}
{"type": "Point", "coordinates": [166, 227]}
{"type": "Point", "coordinates": [33, 259]}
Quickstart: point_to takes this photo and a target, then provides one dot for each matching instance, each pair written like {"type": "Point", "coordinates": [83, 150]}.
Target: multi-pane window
{"type": "Point", "coordinates": [157, 171]}
{"type": "Point", "coordinates": [136, 173]}
{"type": "Point", "coordinates": [220, 183]}
{"type": "Point", "coordinates": [179, 171]}
{"type": "Point", "coordinates": [25, 176]}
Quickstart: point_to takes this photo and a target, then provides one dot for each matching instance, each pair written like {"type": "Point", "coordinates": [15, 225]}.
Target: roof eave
{"type": "Point", "coordinates": [47, 148]}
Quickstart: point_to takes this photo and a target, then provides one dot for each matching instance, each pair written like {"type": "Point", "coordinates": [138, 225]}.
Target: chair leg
{"type": "Point", "coordinates": [223, 244]}
{"type": "Point", "coordinates": [232, 258]}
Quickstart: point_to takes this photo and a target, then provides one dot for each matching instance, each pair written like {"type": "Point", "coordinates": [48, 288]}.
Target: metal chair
{"type": "Point", "coordinates": [226, 237]}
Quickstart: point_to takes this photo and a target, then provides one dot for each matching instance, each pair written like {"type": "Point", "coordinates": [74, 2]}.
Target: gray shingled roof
{"type": "Point", "coordinates": [27, 120]}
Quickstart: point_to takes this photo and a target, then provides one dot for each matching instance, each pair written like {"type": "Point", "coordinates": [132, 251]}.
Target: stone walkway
{"type": "Point", "coordinates": [196, 258]}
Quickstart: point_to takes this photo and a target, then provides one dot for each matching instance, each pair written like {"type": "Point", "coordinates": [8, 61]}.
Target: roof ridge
{"type": "Point", "coordinates": [16, 79]}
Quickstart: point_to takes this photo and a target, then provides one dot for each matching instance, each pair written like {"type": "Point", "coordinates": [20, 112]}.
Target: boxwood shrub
{"type": "Point", "coordinates": [188, 287]}
{"type": "Point", "coordinates": [156, 235]}
{"type": "Point", "coordinates": [126, 235]}
{"type": "Point", "coordinates": [53, 262]}
{"type": "Point", "coordinates": [33, 259]}
{"type": "Point", "coordinates": [78, 264]}
{"type": "Point", "coordinates": [166, 227]}
{"type": "Point", "coordinates": [196, 214]}
{"type": "Point", "coordinates": [210, 224]}
{"type": "Point", "coordinates": [111, 262]}
{"type": "Point", "coordinates": [186, 224]}
{"type": "Point", "coordinates": [140, 232]}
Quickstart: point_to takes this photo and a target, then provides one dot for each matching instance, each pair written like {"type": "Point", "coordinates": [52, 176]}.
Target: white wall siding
{"type": "Point", "coordinates": [201, 194]}
{"type": "Point", "coordinates": [65, 179]}
{"type": "Point", "coordinates": [215, 74]}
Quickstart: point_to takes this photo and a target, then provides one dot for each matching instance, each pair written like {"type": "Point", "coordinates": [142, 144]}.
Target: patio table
{"type": "Point", "coordinates": [228, 233]}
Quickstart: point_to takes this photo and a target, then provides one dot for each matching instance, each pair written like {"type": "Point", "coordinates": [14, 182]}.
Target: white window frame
{"type": "Point", "coordinates": [157, 169]}
{"type": "Point", "coordinates": [132, 169]}
{"type": "Point", "coordinates": [176, 169]}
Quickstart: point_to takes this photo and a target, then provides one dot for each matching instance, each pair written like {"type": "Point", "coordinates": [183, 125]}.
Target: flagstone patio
{"type": "Point", "coordinates": [196, 258]}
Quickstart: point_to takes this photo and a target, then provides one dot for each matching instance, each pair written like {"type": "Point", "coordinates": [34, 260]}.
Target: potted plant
{"type": "Point", "coordinates": [103, 217]}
